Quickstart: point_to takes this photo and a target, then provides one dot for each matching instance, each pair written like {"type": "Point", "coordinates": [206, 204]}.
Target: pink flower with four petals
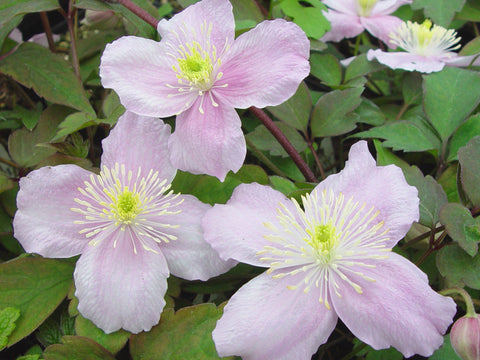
{"type": "Point", "coordinates": [200, 72]}
{"type": "Point", "coordinates": [128, 226]}
{"type": "Point", "coordinates": [328, 258]}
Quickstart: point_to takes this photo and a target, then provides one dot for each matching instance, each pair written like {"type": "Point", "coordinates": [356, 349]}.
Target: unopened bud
{"type": "Point", "coordinates": [465, 337]}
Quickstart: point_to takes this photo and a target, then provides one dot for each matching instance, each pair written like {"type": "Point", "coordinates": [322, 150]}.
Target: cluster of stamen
{"type": "Point", "coordinates": [365, 7]}
{"type": "Point", "coordinates": [333, 239]}
{"type": "Point", "coordinates": [196, 62]}
{"type": "Point", "coordinates": [425, 40]}
{"type": "Point", "coordinates": [121, 200]}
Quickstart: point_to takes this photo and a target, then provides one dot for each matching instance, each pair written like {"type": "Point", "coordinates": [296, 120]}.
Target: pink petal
{"type": "Point", "coordinates": [190, 256]}
{"type": "Point", "coordinates": [386, 7]}
{"type": "Point", "coordinates": [128, 141]}
{"type": "Point", "coordinates": [381, 27]}
{"type": "Point", "coordinates": [44, 221]}
{"type": "Point", "coordinates": [343, 6]}
{"type": "Point", "coordinates": [453, 60]}
{"type": "Point", "coordinates": [118, 288]}
{"type": "Point", "coordinates": [406, 61]}
{"type": "Point", "coordinates": [139, 71]}
{"type": "Point", "coordinates": [264, 66]}
{"type": "Point", "coordinates": [265, 320]}
{"type": "Point", "coordinates": [398, 309]}
{"type": "Point", "coordinates": [211, 142]}
{"type": "Point", "coordinates": [343, 26]}
{"type": "Point", "coordinates": [236, 230]}
{"type": "Point", "coordinates": [188, 24]}
{"type": "Point", "coordinates": [383, 187]}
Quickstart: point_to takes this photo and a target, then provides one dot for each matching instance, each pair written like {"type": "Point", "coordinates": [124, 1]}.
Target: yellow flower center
{"type": "Point", "coordinates": [365, 7]}
{"type": "Point", "coordinates": [323, 240]}
{"type": "Point", "coordinates": [196, 67]}
{"type": "Point", "coordinates": [126, 206]}
{"type": "Point", "coordinates": [425, 39]}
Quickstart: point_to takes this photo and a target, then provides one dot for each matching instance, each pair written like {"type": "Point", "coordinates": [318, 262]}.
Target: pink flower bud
{"type": "Point", "coordinates": [465, 337]}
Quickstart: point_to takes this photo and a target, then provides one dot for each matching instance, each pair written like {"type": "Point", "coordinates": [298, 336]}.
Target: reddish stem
{"type": "Point", "coordinates": [287, 145]}
{"type": "Point", "coordinates": [137, 10]}
{"type": "Point", "coordinates": [48, 31]}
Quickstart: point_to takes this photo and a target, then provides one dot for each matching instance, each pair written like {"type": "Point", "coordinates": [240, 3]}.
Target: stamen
{"type": "Point", "coordinates": [328, 240]}
{"type": "Point", "coordinates": [121, 200]}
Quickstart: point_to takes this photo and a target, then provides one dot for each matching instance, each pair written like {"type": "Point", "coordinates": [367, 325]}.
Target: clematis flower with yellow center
{"type": "Point", "coordinates": [426, 48]}
{"type": "Point", "coordinates": [200, 72]}
{"type": "Point", "coordinates": [327, 258]}
{"type": "Point", "coordinates": [129, 228]}
{"type": "Point", "coordinates": [350, 18]}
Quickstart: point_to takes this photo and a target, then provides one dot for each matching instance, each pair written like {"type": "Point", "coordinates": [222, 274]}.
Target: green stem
{"type": "Point", "coordinates": [466, 297]}
{"type": "Point", "coordinates": [264, 159]}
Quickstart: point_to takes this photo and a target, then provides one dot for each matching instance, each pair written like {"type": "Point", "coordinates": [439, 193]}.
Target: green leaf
{"type": "Point", "coordinates": [446, 351]}
{"type": "Point", "coordinates": [449, 97]}
{"type": "Point", "coordinates": [309, 18]}
{"type": "Point", "coordinates": [361, 66]}
{"type": "Point", "coordinates": [73, 123]}
{"type": "Point", "coordinates": [448, 180]}
{"type": "Point", "coordinates": [77, 348]}
{"type": "Point", "coordinates": [471, 48]}
{"type": "Point", "coordinates": [469, 158]}
{"type": "Point", "coordinates": [466, 132]}
{"type": "Point", "coordinates": [210, 190]}
{"type": "Point", "coordinates": [402, 135]}
{"type": "Point", "coordinates": [113, 342]}
{"type": "Point", "coordinates": [263, 139]}
{"type": "Point", "coordinates": [459, 222]}
{"type": "Point", "coordinates": [431, 194]}
{"type": "Point", "coordinates": [412, 88]}
{"type": "Point", "coordinates": [11, 8]}
{"type": "Point", "coordinates": [6, 27]}
{"type": "Point", "coordinates": [370, 113]}
{"type": "Point", "coordinates": [22, 143]}
{"type": "Point", "coordinates": [332, 114]}
{"type": "Point", "coordinates": [458, 267]}
{"type": "Point", "coordinates": [386, 157]}
{"type": "Point", "coordinates": [326, 67]}
{"type": "Point", "coordinates": [35, 286]}
{"type": "Point", "coordinates": [296, 110]}
{"type": "Point", "coordinates": [48, 74]}
{"type": "Point", "coordinates": [440, 11]}
{"type": "Point", "coordinates": [283, 185]}
{"type": "Point", "coordinates": [187, 332]}
{"type": "Point", "coordinates": [8, 316]}
{"type": "Point", "coordinates": [246, 10]}
{"type": "Point", "coordinates": [470, 11]}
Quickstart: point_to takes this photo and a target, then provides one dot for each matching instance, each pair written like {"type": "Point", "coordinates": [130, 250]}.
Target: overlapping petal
{"type": "Point", "coordinates": [406, 61]}
{"type": "Point", "coordinates": [140, 71]}
{"type": "Point", "coordinates": [119, 287]}
{"type": "Point", "coordinates": [236, 230]}
{"type": "Point", "coordinates": [381, 27]}
{"type": "Point", "coordinates": [383, 187]}
{"type": "Point", "coordinates": [264, 66]}
{"type": "Point", "coordinates": [211, 142]}
{"type": "Point", "coordinates": [398, 309]}
{"type": "Point", "coordinates": [344, 25]}
{"type": "Point", "coordinates": [128, 141]}
{"type": "Point", "coordinates": [264, 320]}
{"type": "Point", "coordinates": [44, 222]}
{"type": "Point", "coordinates": [193, 23]}
{"type": "Point", "coordinates": [344, 6]}
{"type": "Point", "coordinates": [190, 256]}
{"type": "Point", "coordinates": [384, 7]}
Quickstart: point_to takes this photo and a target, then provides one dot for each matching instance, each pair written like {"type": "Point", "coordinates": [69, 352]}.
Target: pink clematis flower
{"type": "Point", "coordinates": [329, 258]}
{"type": "Point", "coordinates": [128, 226]}
{"type": "Point", "coordinates": [350, 18]}
{"type": "Point", "coordinates": [426, 49]}
{"type": "Point", "coordinates": [199, 72]}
